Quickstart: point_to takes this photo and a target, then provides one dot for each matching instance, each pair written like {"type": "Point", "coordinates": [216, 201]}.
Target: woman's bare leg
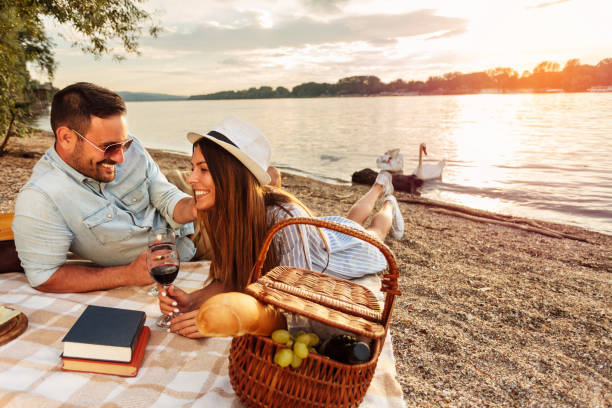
{"type": "Point", "coordinates": [381, 222]}
{"type": "Point", "coordinates": [361, 210]}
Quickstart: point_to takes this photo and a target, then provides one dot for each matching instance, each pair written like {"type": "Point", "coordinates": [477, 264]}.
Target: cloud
{"type": "Point", "coordinates": [232, 61]}
{"type": "Point", "coordinates": [168, 71]}
{"type": "Point", "coordinates": [548, 4]}
{"type": "Point", "coordinates": [299, 32]}
{"type": "Point", "coordinates": [448, 34]}
{"type": "Point", "coordinates": [325, 6]}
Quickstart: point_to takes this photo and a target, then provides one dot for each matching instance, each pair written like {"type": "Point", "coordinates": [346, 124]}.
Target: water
{"type": "Point", "coordinates": [543, 156]}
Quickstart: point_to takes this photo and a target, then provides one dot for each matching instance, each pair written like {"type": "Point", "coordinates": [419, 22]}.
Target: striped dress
{"type": "Point", "coordinates": [302, 246]}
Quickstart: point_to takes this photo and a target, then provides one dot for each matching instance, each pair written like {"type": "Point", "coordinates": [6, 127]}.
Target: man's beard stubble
{"type": "Point", "coordinates": [89, 167]}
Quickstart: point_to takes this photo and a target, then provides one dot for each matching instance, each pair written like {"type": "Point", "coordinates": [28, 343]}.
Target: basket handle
{"type": "Point", "coordinates": [389, 280]}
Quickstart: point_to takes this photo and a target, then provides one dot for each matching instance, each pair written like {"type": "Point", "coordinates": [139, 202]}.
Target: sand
{"type": "Point", "coordinates": [490, 315]}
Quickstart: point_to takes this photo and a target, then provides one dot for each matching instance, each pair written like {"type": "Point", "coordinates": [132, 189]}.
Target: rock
{"type": "Point", "coordinates": [401, 182]}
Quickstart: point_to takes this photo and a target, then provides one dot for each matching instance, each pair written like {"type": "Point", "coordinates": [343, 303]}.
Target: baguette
{"type": "Point", "coordinates": [235, 314]}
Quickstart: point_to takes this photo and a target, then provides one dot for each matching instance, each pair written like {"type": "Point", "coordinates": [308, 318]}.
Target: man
{"type": "Point", "coordinates": [96, 193]}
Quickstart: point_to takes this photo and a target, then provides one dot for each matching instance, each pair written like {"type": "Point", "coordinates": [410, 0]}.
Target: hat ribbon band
{"type": "Point", "coordinates": [221, 137]}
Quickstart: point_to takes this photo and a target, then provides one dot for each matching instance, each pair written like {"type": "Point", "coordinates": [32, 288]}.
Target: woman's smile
{"type": "Point", "coordinates": [201, 182]}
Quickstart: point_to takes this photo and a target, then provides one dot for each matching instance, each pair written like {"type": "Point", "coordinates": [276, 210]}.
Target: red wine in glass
{"type": "Point", "coordinates": [163, 263]}
{"type": "Point", "coordinates": [164, 274]}
{"type": "Point", "coordinates": [158, 236]}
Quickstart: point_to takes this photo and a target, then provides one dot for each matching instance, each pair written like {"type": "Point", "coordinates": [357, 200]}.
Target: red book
{"type": "Point", "coordinates": [111, 367]}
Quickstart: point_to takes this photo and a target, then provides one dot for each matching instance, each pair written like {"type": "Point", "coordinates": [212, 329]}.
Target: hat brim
{"type": "Point", "coordinates": [260, 173]}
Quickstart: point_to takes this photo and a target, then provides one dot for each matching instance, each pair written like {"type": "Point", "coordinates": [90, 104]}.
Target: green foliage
{"type": "Point", "coordinates": [23, 43]}
{"type": "Point", "coordinates": [359, 85]}
{"type": "Point", "coordinates": [312, 90]}
{"type": "Point", "coordinates": [264, 92]}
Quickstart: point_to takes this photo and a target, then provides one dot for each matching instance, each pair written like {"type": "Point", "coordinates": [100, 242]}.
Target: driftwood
{"type": "Point", "coordinates": [401, 182]}
{"type": "Point", "coordinates": [478, 216]}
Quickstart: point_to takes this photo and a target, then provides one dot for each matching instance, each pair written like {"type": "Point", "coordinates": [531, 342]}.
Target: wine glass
{"type": "Point", "coordinates": [163, 263]}
{"type": "Point", "coordinates": [158, 236]}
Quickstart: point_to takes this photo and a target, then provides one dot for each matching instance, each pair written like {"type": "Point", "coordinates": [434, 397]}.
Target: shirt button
{"type": "Point", "coordinates": [134, 199]}
{"type": "Point", "coordinates": [109, 215]}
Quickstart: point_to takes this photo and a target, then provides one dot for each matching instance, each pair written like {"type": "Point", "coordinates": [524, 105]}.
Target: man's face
{"type": "Point", "coordinates": [88, 160]}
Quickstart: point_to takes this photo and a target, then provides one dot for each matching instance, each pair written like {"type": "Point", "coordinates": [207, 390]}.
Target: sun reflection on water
{"type": "Point", "coordinates": [485, 145]}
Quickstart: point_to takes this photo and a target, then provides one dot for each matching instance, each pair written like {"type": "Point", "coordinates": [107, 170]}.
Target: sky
{"type": "Point", "coordinates": [212, 45]}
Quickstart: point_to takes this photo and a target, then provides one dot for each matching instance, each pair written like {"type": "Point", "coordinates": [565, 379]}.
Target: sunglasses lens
{"type": "Point", "coordinates": [112, 149]}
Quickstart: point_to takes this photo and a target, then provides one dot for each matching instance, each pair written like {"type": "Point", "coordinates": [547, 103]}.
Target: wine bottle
{"type": "Point", "coordinates": [345, 349]}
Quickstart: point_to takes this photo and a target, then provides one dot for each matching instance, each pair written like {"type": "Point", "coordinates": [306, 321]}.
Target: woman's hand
{"type": "Point", "coordinates": [175, 301]}
{"type": "Point", "coordinates": [185, 325]}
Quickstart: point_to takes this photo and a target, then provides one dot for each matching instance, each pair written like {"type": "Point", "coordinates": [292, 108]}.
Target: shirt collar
{"type": "Point", "coordinates": [57, 160]}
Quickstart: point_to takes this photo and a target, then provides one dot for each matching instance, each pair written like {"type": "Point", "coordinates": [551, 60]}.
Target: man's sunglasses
{"type": "Point", "coordinates": [111, 149]}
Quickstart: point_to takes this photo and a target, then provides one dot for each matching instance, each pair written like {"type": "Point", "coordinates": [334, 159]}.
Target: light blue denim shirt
{"type": "Point", "coordinates": [60, 210]}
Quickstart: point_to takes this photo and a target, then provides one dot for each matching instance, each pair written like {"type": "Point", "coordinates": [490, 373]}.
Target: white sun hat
{"type": "Point", "coordinates": [243, 141]}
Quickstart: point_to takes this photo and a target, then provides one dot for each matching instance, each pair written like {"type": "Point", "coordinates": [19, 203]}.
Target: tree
{"type": "Point", "coordinates": [546, 75]}
{"type": "Point", "coordinates": [311, 90]}
{"type": "Point", "coordinates": [23, 41]}
{"type": "Point", "coordinates": [577, 77]}
{"type": "Point", "coordinates": [359, 85]}
{"type": "Point", "coordinates": [505, 78]}
{"type": "Point", "coordinates": [546, 66]}
{"type": "Point", "coordinates": [604, 72]}
{"type": "Point", "coordinates": [282, 92]}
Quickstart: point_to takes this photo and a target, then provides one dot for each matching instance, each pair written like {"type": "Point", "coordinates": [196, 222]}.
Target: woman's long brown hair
{"type": "Point", "coordinates": [236, 223]}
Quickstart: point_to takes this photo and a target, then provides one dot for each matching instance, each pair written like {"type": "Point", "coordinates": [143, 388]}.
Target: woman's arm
{"type": "Point", "coordinates": [179, 301]}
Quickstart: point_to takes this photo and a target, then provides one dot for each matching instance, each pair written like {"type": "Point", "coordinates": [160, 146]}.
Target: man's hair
{"type": "Point", "coordinates": [74, 105]}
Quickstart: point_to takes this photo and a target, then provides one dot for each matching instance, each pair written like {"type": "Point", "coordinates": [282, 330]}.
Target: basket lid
{"type": "Point", "coordinates": [324, 298]}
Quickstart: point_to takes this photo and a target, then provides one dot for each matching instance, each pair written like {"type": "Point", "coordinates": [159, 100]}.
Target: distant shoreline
{"type": "Point", "coordinates": [176, 98]}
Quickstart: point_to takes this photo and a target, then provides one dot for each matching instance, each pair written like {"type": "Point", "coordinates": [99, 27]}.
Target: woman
{"type": "Point", "coordinates": [237, 206]}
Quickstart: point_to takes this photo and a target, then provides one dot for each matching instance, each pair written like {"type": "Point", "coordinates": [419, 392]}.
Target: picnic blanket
{"type": "Point", "coordinates": [176, 371]}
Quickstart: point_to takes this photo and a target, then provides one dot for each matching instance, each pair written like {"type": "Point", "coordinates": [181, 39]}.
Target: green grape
{"type": "Point", "coordinates": [289, 343]}
{"type": "Point", "coordinates": [283, 357]}
{"type": "Point", "coordinates": [281, 336]}
{"type": "Point", "coordinates": [304, 338]}
{"type": "Point", "coordinates": [314, 339]}
{"type": "Point", "coordinates": [296, 362]}
{"type": "Point", "coordinates": [312, 350]}
{"type": "Point", "coordinates": [300, 349]}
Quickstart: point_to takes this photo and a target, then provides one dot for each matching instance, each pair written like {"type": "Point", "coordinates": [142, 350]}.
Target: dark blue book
{"type": "Point", "coordinates": [104, 333]}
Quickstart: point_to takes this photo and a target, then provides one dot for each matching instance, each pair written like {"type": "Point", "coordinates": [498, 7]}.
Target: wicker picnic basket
{"type": "Point", "coordinates": [319, 381]}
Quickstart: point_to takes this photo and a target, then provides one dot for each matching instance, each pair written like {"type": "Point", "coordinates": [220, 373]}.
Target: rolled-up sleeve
{"type": "Point", "coordinates": [42, 238]}
{"type": "Point", "coordinates": [163, 194]}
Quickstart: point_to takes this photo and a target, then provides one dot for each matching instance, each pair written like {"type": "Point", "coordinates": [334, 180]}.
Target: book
{"type": "Point", "coordinates": [111, 367]}
{"type": "Point", "coordinates": [104, 333]}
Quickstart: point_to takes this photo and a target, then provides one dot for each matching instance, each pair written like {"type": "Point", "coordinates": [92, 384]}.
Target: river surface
{"type": "Point", "coordinates": [543, 156]}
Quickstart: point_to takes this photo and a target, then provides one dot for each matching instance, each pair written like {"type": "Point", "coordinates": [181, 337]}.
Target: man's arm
{"type": "Point", "coordinates": [81, 278]}
{"type": "Point", "coordinates": [176, 207]}
{"type": "Point", "coordinates": [185, 211]}
{"type": "Point", "coordinates": [43, 239]}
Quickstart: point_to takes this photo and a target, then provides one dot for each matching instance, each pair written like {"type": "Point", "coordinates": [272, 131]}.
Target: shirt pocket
{"type": "Point", "coordinates": [107, 225]}
{"type": "Point", "coordinates": [137, 199]}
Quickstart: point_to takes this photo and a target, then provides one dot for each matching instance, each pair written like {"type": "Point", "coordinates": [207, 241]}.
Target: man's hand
{"type": "Point", "coordinates": [83, 278]}
{"type": "Point", "coordinates": [139, 271]}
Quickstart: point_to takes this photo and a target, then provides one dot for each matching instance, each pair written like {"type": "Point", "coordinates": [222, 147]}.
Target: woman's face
{"type": "Point", "coordinates": [201, 181]}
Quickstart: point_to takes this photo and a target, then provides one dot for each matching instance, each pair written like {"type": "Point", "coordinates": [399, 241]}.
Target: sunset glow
{"type": "Point", "coordinates": [212, 46]}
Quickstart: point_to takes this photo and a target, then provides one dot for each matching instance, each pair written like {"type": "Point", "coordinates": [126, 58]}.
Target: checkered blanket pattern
{"type": "Point", "coordinates": [176, 371]}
